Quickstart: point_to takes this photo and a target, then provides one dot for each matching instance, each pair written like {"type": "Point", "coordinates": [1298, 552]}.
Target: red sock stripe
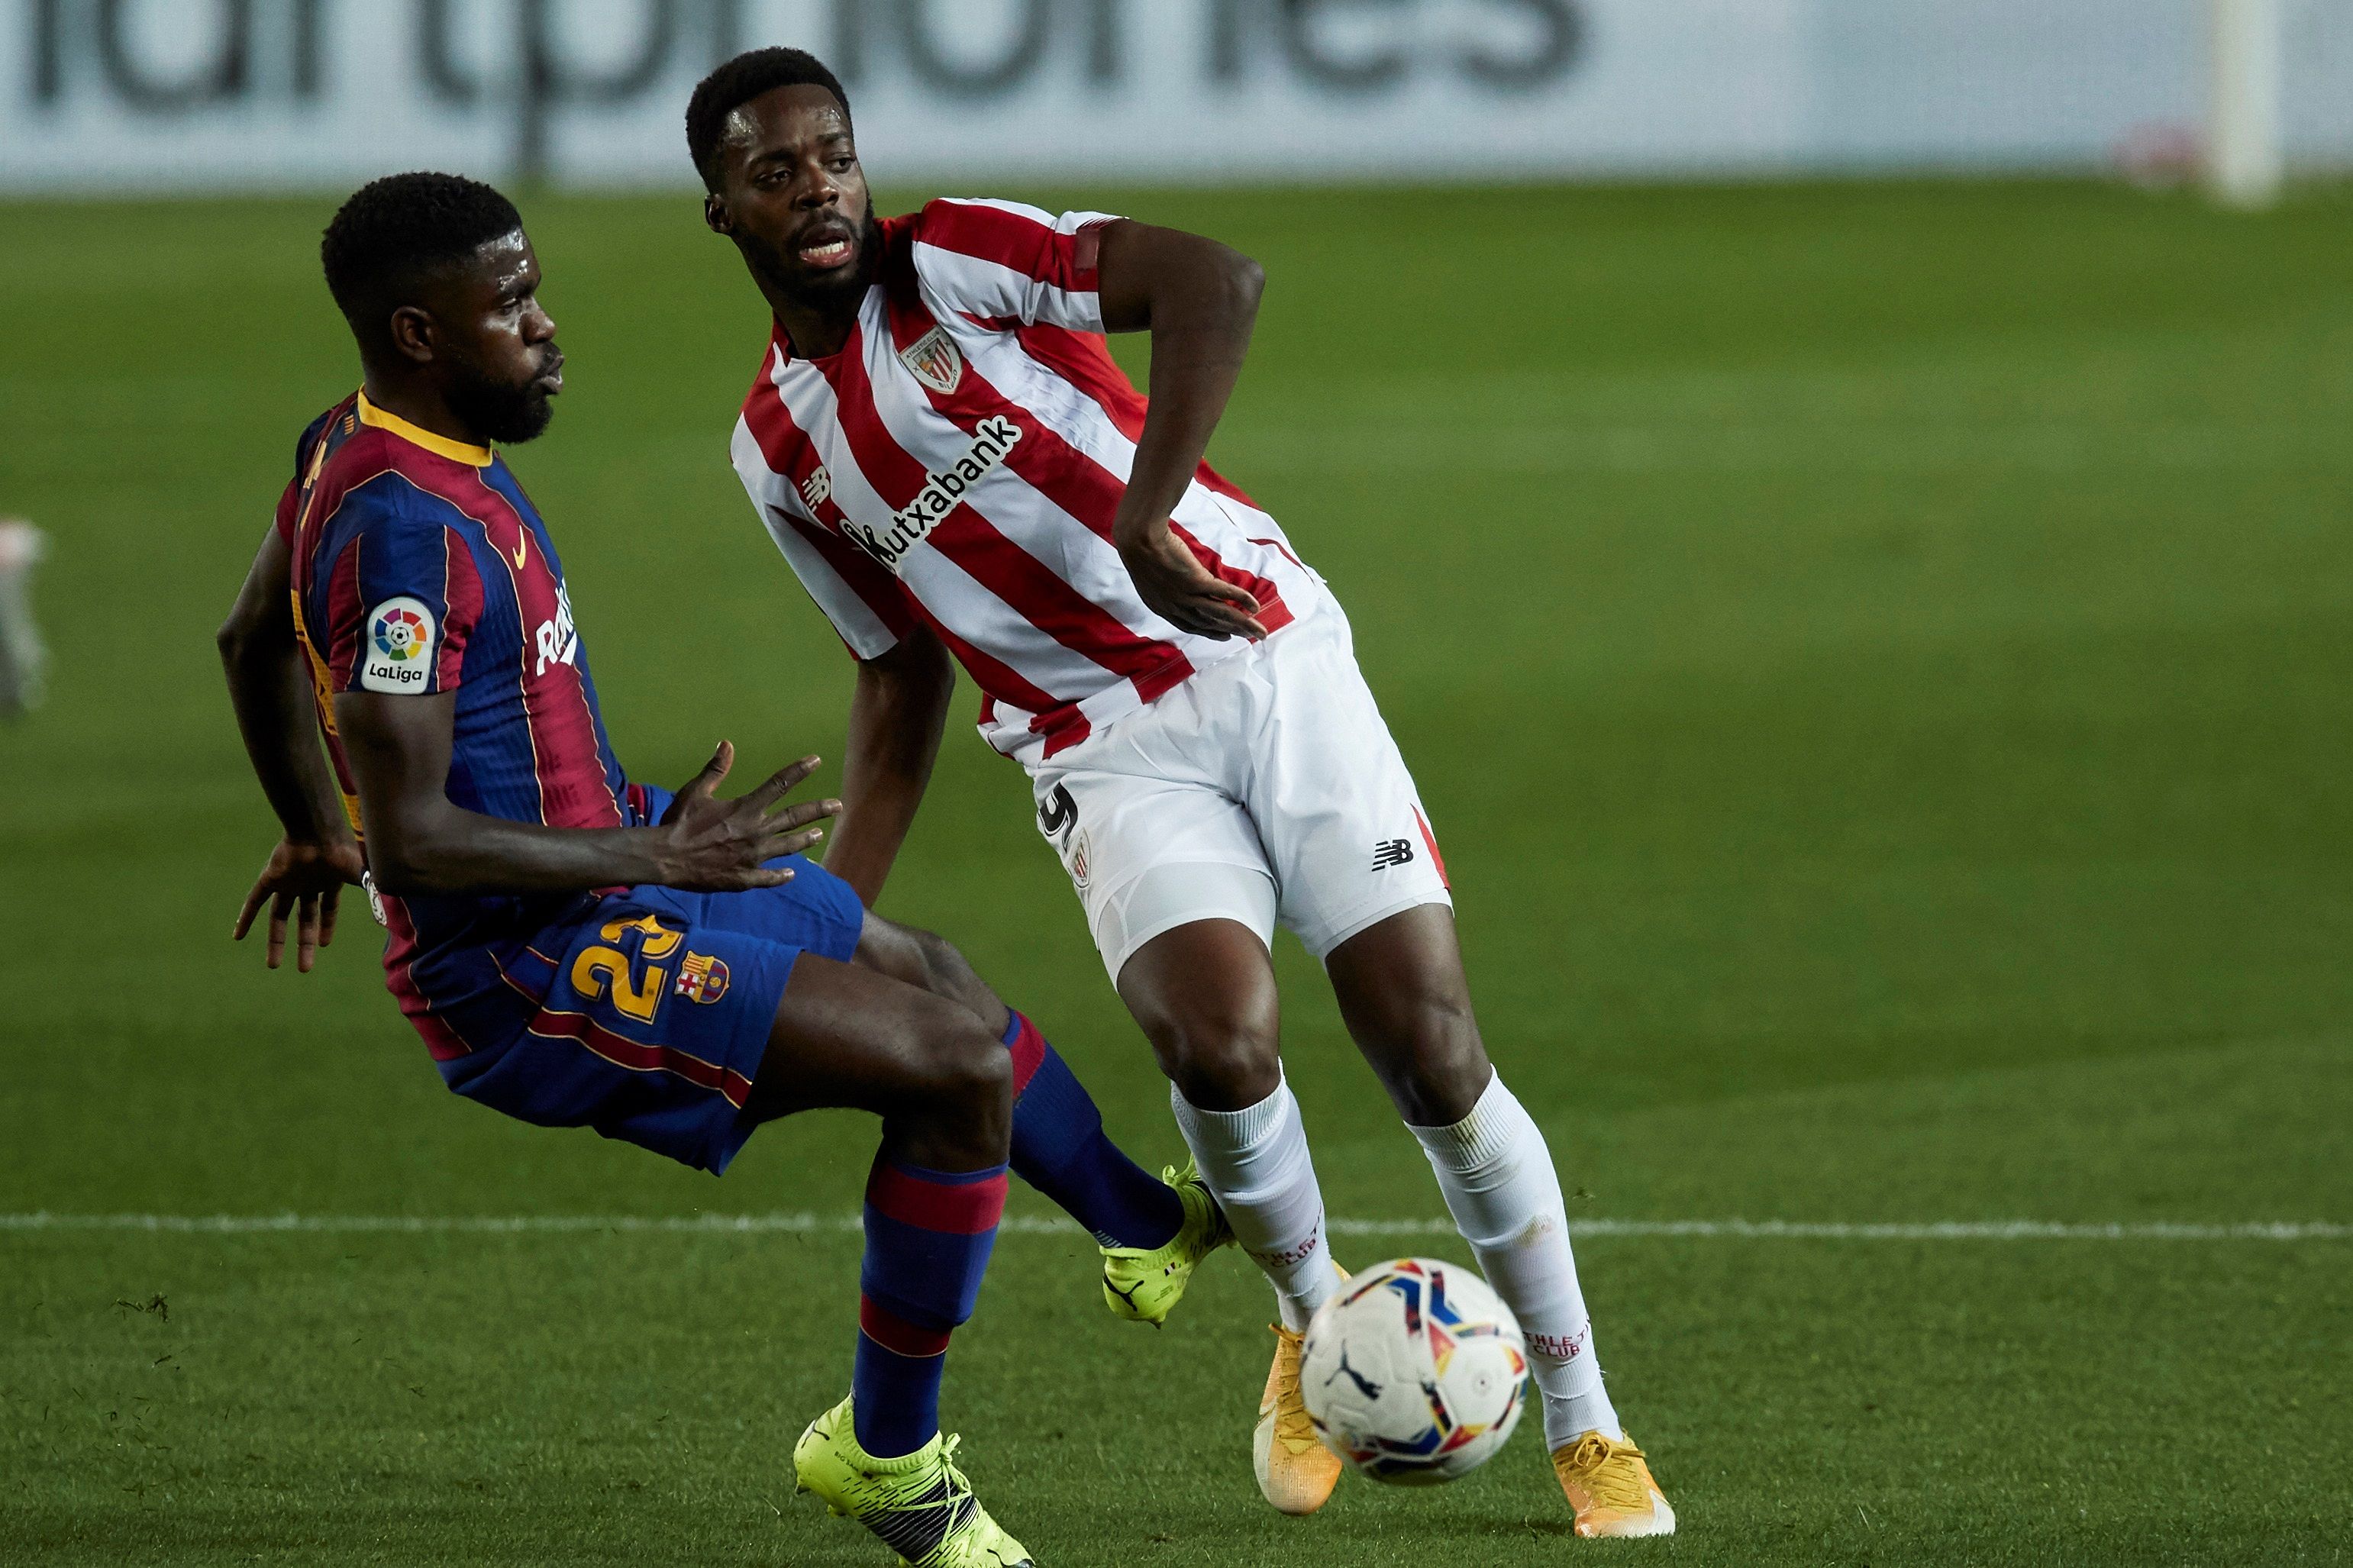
{"type": "Point", "coordinates": [1028, 1051]}
{"type": "Point", "coordinates": [961, 1209]}
{"type": "Point", "coordinates": [897, 1335]}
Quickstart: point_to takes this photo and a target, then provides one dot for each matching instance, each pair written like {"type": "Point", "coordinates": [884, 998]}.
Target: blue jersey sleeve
{"type": "Point", "coordinates": [402, 598]}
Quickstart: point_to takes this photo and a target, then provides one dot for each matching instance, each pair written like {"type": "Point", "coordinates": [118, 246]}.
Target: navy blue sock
{"type": "Point", "coordinates": [895, 1405]}
{"type": "Point", "coordinates": [1060, 1149]}
{"type": "Point", "coordinates": [928, 1237]}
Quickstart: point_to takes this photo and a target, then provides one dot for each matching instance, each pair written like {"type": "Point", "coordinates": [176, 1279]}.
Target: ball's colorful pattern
{"type": "Point", "coordinates": [1416, 1373]}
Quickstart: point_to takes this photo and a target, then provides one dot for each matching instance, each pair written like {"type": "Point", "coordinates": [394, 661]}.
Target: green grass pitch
{"type": "Point", "coordinates": [1880, 658]}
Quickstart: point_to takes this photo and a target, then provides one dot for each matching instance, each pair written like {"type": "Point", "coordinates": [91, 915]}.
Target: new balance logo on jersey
{"type": "Point", "coordinates": [557, 642]}
{"type": "Point", "coordinates": [1395, 852]}
{"type": "Point", "coordinates": [817, 488]}
{"type": "Point", "coordinates": [942, 494]}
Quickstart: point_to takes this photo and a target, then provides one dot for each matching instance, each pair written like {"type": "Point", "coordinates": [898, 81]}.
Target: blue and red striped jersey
{"type": "Point", "coordinates": [420, 566]}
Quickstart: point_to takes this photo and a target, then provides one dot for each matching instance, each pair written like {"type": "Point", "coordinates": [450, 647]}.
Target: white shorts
{"type": "Point", "coordinates": [1265, 790]}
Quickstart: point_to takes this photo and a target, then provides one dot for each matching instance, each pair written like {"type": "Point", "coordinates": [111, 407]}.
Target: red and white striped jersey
{"type": "Point", "coordinates": [958, 462]}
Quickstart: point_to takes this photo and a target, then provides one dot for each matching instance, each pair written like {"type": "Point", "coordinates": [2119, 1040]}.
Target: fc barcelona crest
{"type": "Point", "coordinates": [702, 978]}
{"type": "Point", "coordinates": [936, 360]}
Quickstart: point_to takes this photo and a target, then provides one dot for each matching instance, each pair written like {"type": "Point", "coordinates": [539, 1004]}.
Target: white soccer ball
{"type": "Point", "coordinates": [1414, 1373]}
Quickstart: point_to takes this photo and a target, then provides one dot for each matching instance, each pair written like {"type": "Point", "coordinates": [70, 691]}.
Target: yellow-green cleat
{"type": "Point", "coordinates": [919, 1506]}
{"type": "Point", "coordinates": [1144, 1286]}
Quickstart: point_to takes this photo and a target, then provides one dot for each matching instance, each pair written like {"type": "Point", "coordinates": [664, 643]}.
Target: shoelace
{"type": "Point", "coordinates": [1619, 1487]}
{"type": "Point", "coordinates": [957, 1485]}
{"type": "Point", "coordinates": [916, 1527]}
{"type": "Point", "coordinates": [1292, 1426]}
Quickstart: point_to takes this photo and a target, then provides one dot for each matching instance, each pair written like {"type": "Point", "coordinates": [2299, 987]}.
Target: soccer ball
{"type": "Point", "coordinates": [1414, 1373]}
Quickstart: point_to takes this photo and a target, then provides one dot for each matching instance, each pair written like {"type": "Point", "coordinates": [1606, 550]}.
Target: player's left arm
{"type": "Point", "coordinates": [1199, 300]}
{"type": "Point", "coordinates": [897, 716]}
{"type": "Point", "coordinates": [270, 690]}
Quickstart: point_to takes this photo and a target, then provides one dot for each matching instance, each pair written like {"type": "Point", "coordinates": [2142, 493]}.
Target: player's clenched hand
{"type": "Point", "coordinates": [1177, 588]}
{"type": "Point", "coordinates": [715, 846]}
{"type": "Point", "coordinates": [304, 881]}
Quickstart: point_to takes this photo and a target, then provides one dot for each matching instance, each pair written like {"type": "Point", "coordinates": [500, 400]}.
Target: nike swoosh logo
{"type": "Point", "coordinates": [521, 551]}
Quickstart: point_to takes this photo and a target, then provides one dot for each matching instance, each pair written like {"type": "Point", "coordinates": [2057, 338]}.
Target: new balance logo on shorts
{"type": "Point", "coordinates": [1395, 852]}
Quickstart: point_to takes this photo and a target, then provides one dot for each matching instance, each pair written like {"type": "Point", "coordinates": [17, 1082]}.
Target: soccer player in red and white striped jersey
{"type": "Point", "coordinates": [942, 448]}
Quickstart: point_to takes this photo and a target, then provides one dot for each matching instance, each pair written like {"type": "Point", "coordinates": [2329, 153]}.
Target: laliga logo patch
{"type": "Point", "coordinates": [702, 978]}
{"type": "Point", "coordinates": [400, 634]}
{"type": "Point", "coordinates": [934, 360]}
{"type": "Point", "coordinates": [400, 647]}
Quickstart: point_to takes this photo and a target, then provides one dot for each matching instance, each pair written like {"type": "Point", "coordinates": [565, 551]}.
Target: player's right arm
{"type": "Point", "coordinates": [418, 841]}
{"type": "Point", "coordinates": [896, 718]}
{"type": "Point", "coordinates": [406, 562]}
{"type": "Point", "coordinates": [270, 690]}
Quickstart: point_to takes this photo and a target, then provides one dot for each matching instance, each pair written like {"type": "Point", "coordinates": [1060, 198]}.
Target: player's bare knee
{"type": "Point", "coordinates": [965, 1083]}
{"type": "Point", "coordinates": [1220, 1056]}
{"type": "Point", "coordinates": [1433, 1063]}
{"type": "Point", "coordinates": [983, 1072]}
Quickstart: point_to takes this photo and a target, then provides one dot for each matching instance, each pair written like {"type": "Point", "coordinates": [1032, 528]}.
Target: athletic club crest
{"type": "Point", "coordinates": [934, 360]}
{"type": "Point", "coordinates": [702, 978]}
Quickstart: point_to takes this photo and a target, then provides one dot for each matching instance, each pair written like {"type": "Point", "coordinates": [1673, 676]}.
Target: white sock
{"type": "Point", "coordinates": [1255, 1161]}
{"type": "Point", "coordinates": [1504, 1195]}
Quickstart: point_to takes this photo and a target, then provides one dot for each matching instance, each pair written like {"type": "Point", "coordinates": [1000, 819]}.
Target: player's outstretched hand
{"type": "Point", "coordinates": [717, 846]}
{"type": "Point", "coordinates": [306, 881]}
{"type": "Point", "coordinates": [1177, 588]}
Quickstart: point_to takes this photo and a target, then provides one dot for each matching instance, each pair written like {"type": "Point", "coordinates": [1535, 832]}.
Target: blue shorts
{"type": "Point", "coordinates": [656, 1012]}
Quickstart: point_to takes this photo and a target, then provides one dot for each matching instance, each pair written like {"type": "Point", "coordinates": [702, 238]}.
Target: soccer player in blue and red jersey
{"type": "Point", "coordinates": [580, 950]}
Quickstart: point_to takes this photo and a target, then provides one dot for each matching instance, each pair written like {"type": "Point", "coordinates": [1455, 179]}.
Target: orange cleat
{"type": "Point", "coordinates": [1608, 1484]}
{"type": "Point", "coordinates": [1296, 1472]}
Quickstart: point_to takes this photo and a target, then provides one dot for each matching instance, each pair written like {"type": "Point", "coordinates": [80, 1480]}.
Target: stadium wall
{"type": "Point", "coordinates": [260, 94]}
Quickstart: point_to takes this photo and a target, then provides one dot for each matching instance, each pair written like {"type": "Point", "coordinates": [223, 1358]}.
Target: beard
{"type": "Point", "coordinates": [497, 410]}
{"type": "Point", "coordinates": [777, 271]}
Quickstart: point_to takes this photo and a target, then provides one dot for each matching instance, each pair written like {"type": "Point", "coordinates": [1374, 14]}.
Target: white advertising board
{"type": "Point", "coordinates": [258, 94]}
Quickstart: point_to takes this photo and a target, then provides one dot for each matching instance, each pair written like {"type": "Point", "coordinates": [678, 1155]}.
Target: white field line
{"type": "Point", "coordinates": [807, 1224]}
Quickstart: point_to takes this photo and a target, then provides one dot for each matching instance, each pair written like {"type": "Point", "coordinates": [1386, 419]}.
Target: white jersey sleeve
{"type": "Point", "coordinates": [859, 598]}
{"type": "Point", "coordinates": [1003, 264]}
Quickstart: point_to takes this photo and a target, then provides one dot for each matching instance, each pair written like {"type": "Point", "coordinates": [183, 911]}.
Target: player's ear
{"type": "Point", "coordinates": [715, 215]}
{"type": "Point", "coordinates": [414, 334]}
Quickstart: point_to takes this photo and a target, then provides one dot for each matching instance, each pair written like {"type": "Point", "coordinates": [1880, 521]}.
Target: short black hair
{"type": "Point", "coordinates": [737, 83]}
{"type": "Point", "coordinates": [396, 231]}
